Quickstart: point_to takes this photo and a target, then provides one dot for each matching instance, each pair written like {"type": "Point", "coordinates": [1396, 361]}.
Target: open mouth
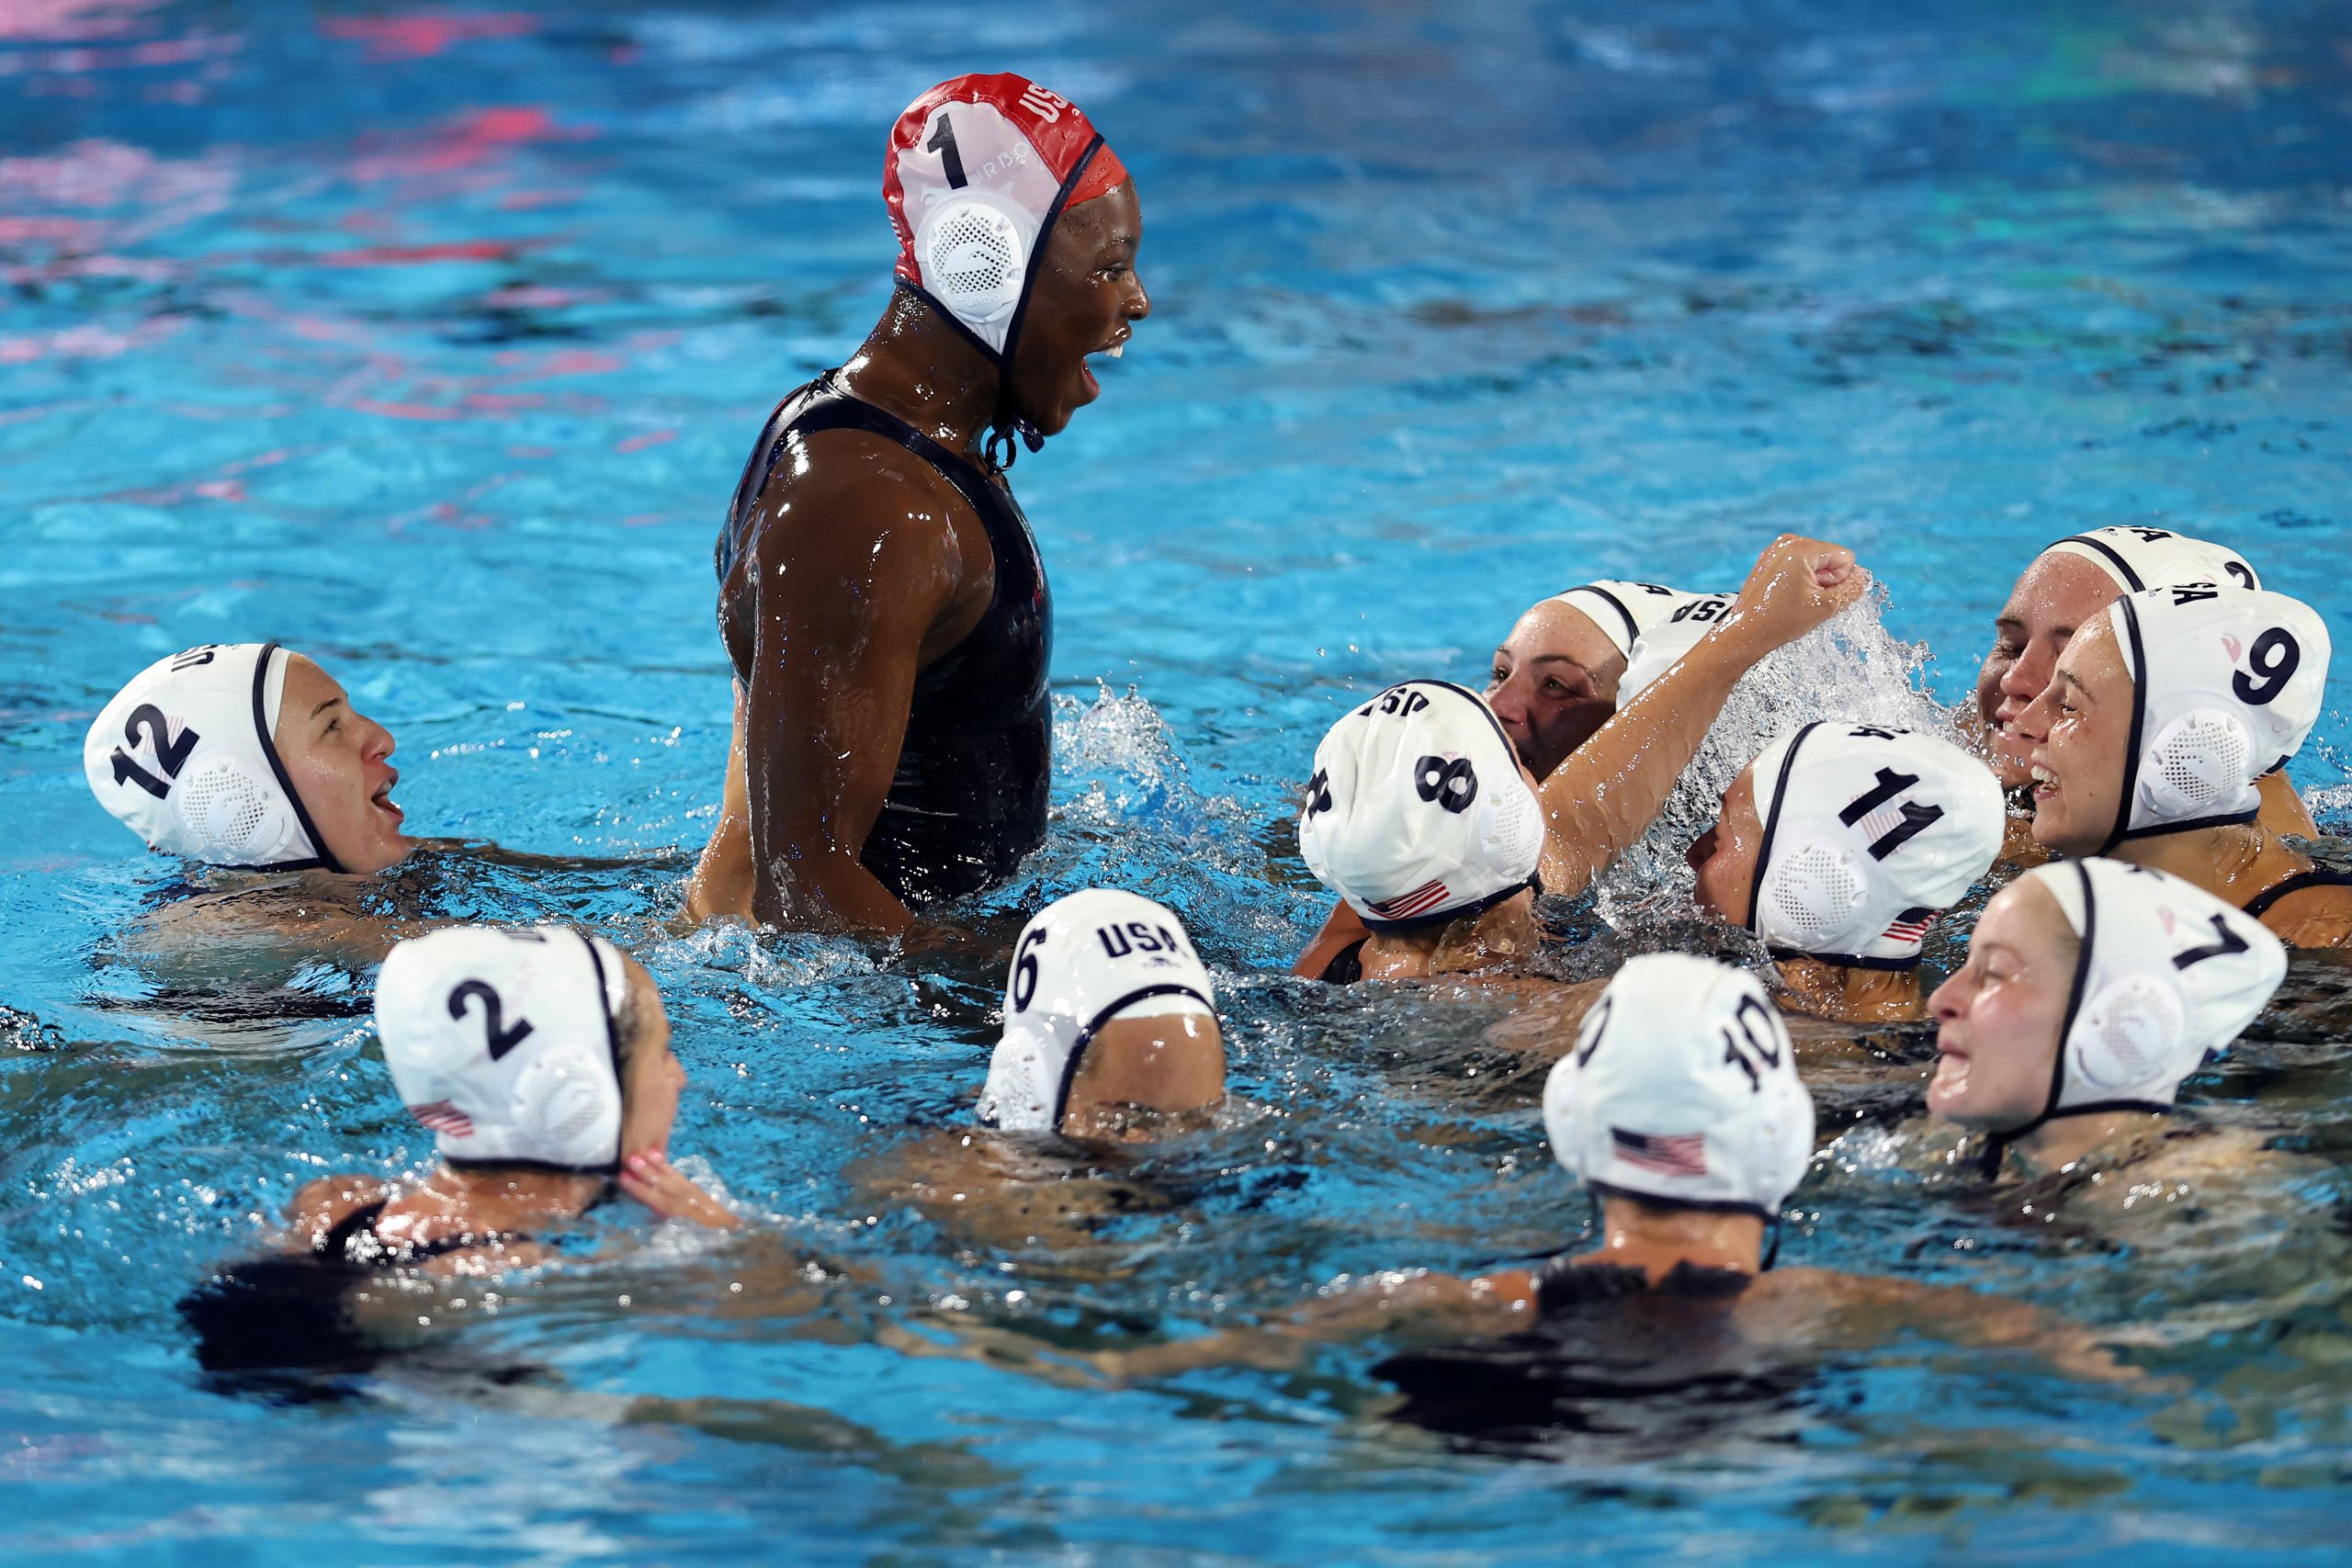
{"type": "Point", "coordinates": [382, 799]}
{"type": "Point", "coordinates": [1952, 1074]}
{"type": "Point", "coordinates": [1112, 349]}
{"type": "Point", "coordinates": [2045, 782]}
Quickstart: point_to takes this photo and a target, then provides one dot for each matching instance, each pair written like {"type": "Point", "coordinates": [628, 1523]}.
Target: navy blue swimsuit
{"type": "Point", "coordinates": [968, 797]}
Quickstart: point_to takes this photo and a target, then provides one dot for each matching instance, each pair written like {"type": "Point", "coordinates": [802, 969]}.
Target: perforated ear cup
{"type": "Point", "coordinates": [2127, 1032]}
{"type": "Point", "coordinates": [2196, 760]}
{"type": "Point", "coordinates": [224, 805]}
{"type": "Point", "coordinates": [1563, 1126]}
{"type": "Point", "coordinates": [974, 255]}
{"type": "Point", "coordinates": [1514, 824]}
{"type": "Point", "coordinates": [1811, 893]}
{"type": "Point", "coordinates": [563, 1101]}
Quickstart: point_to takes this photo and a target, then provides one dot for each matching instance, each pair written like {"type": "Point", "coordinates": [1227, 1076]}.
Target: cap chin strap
{"type": "Point", "coordinates": [323, 857]}
{"type": "Point", "coordinates": [998, 449]}
{"type": "Point", "coordinates": [1997, 1147]}
{"type": "Point", "coordinates": [2138, 649]}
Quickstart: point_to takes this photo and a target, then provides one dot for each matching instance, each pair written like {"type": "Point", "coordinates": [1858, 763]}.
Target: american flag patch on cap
{"type": "Point", "coordinates": [1682, 1154]}
{"type": "Point", "coordinates": [1419, 901]}
{"type": "Point", "coordinates": [444, 1117]}
{"type": "Point", "coordinates": [1912, 925]}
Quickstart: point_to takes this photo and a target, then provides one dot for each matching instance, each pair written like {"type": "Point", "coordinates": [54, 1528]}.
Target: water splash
{"type": "Point", "coordinates": [1853, 667]}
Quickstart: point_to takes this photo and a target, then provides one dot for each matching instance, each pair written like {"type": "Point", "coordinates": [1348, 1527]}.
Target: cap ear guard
{"type": "Point", "coordinates": [974, 253]}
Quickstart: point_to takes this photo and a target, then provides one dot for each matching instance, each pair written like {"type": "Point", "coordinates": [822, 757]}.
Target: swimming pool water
{"type": "Point", "coordinates": [431, 339]}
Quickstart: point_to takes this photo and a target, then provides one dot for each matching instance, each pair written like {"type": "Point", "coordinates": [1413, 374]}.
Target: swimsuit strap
{"type": "Point", "coordinates": [2318, 877]}
{"type": "Point", "coordinates": [336, 1245]}
{"type": "Point", "coordinates": [1347, 965]}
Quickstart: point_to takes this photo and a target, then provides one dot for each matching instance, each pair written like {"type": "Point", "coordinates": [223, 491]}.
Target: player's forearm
{"type": "Point", "coordinates": [1599, 802]}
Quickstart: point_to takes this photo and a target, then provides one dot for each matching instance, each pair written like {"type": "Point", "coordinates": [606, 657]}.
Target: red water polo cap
{"type": "Point", "coordinates": [979, 167]}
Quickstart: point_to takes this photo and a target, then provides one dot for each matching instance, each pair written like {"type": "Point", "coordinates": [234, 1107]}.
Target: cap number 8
{"type": "Point", "coordinates": [1452, 784]}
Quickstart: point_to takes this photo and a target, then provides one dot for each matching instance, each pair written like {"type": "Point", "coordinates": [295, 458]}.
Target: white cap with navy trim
{"type": "Point", "coordinates": [506, 1043]}
{"type": "Point", "coordinates": [1081, 962]}
{"type": "Point", "coordinates": [1682, 1088]}
{"type": "Point", "coordinates": [1626, 611]}
{"type": "Point", "coordinates": [2226, 682]}
{"type": "Point", "coordinates": [185, 757]}
{"type": "Point", "coordinates": [1869, 834]}
{"type": "Point", "coordinates": [2137, 558]}
{"type": "Point", "coordinates": [2167, 975]}
{"type": "Point", "coordinates": [1418, 813]}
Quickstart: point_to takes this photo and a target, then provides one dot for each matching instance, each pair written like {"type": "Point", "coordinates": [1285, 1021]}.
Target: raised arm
{"type": "Point", "coordinates": [849, 605]}
{"type": "Point", "coordinates": [1600, 801]}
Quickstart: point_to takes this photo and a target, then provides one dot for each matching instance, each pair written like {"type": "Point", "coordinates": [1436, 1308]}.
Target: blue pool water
{"type": "Point", "coordinates": [430, 339]}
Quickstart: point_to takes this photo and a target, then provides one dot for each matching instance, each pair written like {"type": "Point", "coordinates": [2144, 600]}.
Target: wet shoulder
{"type": "Point", "coordinates": [2319, 915]}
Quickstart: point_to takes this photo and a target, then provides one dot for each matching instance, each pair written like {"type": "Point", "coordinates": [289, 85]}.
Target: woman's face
{"type": "Point", "coordinates": [1554, 683]}
{"type": "Point", "coordinates": [337, 761]}
{"type": "Point", "coordinates": [2077, 729]}
{"type": "Point", "coordinates": [652, 1073]}
{"type": "Point", "coordinates": [1725, 855]}
{"type": "Point", "coordinates": [2056, 594]}
{"type": "Point", "coordinates": [1997, 1018]}
{"type": "Point", "coordinates": [1085, 299]}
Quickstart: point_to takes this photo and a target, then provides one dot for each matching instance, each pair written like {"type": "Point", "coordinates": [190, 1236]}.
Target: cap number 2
{"type": "Point", "coordinates": [501, 1039]}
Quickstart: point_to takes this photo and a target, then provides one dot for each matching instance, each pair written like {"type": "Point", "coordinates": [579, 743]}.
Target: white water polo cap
{"type": "Point", "coordinates": [979, 170]}
{"type": "Point", "coordinates": [2136, 557]}
{"type": "Point", "coordinates": [1418, 813]}
{"type": "Point", "coordinates": [1082, 962]}
{"type": "Point", "coordinates": [2167, 975]}
{"type": "Point", "coordinates": [1869, 834]}
{"type": "Point", "coordinates": [505, 1044]}
{"type": "Point", "coordinates": [1624, 610]}
{"type": "Point", "coordinates": [1682, 1088]}
{"type": "Point", "coordinates": [1662, 646]}
{"type": "Point", "coordinates": [184, 756]}
{"type": "Point", "coordinates": [2226, 682]}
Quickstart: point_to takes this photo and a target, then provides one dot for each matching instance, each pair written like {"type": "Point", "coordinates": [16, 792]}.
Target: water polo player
{"type": "Point", "coordinates": [2092, 990]}
{"type": "Point", "coordinates": [1681, 1112]}
{"type": "Point", "coordinates": [1839, 846]}
{"type": "Point", "coordinates": [1423, 819]}
{"type": "Point", "coordinates": [1111, 1038]}
{"type": "Point", "coordinates": [1604, 796]}
{"type": "Point", "coordinates": [2164, 712]}
{"type": "Point", "coordinates": [2068, 584]}
{"type": "Point", "coordinates": [1555, 681]}
{"type": "Point", "coordinates": [881, 596]}
{"type": "Point", "coordinates": [540, 1060]}
{"type": "Point", "coordinates": [1110, 1024]}
{"type": "Point", "coordinates": [244, 755]}
{"type": "Point", "coordinates": [1556, 677]}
